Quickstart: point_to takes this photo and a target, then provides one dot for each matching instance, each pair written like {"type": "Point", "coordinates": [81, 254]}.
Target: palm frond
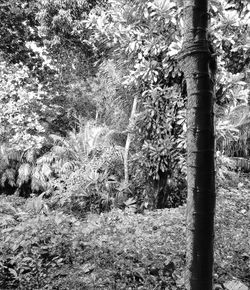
{"type": "Point", "coordinates": [24, 173]}
{"type": "Point", "coordinates": [234, 131]}
{"type": "Point", "coordinates": [69, 166]}
{"type": "Point", "coordinates": [4, 154]}
{"type": "Point", "coordinates": [46, 170]}
{"type": "Point", "coordinates": [57, 139]}
{"type": "Point", "coordinates": [57, 165]}
{"type": "Point", "coordinates": [59, 151]}
{"type": "Point", "coordinates": [226, 133]}
{"type": "Point", "coordinates": [238, 114]}
{"type": "Point", "coordinates": [15, 155]}
{"type": "Point", "coordinates": [38, 180]}
{"type": "Point", "coordinates": [242, 163]}
{"type": "Point", "coordinates": [9, 177]}
{"type": "Point", "coordinates": [31, 155]}
{"type": "Point", "coordinates": [47, 158]}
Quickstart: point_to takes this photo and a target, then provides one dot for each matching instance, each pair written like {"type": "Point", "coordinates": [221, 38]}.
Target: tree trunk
{"type": "Point", "coordinates": [128, 141]}
{"type": "Point", "coordinates": [196, 62]}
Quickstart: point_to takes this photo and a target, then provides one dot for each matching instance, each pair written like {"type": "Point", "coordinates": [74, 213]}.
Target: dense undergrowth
{"type": "Point", "coordinates": [44, 248]}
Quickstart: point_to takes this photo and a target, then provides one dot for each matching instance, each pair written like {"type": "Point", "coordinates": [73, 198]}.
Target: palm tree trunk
{"type": "Point", "coordinates": [196, 59]}
{"type": "Point", "coordinates": [128, 141]}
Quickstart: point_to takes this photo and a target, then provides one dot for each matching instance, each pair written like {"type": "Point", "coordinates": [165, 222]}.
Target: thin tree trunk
{"type": "Point", "coordinates": [128, 141]}
{"type": "Point", "coordinates": [196, 58]}
{"type": "Point", "coordinates": [96, 115]}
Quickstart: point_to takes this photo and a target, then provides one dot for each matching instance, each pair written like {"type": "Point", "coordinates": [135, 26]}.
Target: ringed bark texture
{"type": "Point", "coordinates": [195, 58]}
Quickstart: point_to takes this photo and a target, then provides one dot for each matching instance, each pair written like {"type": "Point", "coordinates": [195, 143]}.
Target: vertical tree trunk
{"type": "Point", "coordinates": [128, 141]}
{"type": "Point", "coordinates": [196, 59]}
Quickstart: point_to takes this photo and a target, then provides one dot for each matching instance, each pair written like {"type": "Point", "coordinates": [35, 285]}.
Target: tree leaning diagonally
{"type": "Point", "coordinates": [196, 59]}
{"type": "Point", "coordinates": [128, 141]}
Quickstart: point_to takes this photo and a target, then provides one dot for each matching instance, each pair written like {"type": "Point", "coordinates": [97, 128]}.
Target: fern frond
{"type": "Point", "coordinates": [238, 114]}
{"type": "Point", "coordinates": [59, 150]}
{"type": "Point", "coordinates": [56, 138]}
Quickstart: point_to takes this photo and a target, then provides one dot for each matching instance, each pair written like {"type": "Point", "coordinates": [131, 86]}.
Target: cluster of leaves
{"type": "Point", "coordinates": [95, 187]}
{"type": "Point", "coordinates": [83, 58]}
{"type": "Point", "coordinates": [52, 62]}
{"type": "Point", "coordinates": [232, 233]}
{"type": "Point", "coordinates": [19, 25]}
{"type": "Point", "coordinates": [35, 241]}
{"type": "Point", "coordinates": [37, 102]}
{"type": "Point", "coordinates": [91, 58]}
{"type": "Point", "coordinates": [226, 171]}
{"type": "Point", "coordinates": [232, 84]}
{"type": "Point", "coordinates": [22, 107]}
{"type": "Point", "coordinates": [83, 172]}
{"type": "Point", "coordinates": [161, 129]}
{"type": "Point", "coordinates": [32, 244]}
{"type": "Point", "coordinates": [30, 168]}
{"type": "Point", "coordinates": [136, 31]}
{"type": "Point", "coordinates": [22, 172]}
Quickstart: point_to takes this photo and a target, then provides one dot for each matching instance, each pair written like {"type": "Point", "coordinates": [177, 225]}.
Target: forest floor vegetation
{"type": "Point", "coordinates": [48, 249]}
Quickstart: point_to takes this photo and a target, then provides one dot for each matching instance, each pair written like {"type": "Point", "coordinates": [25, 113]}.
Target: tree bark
{"type": "Point", "coordinates": [196, 59]}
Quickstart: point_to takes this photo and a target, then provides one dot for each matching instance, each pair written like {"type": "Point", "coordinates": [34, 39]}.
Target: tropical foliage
{"type": "Point", "coordinates": [43, 248]}
{"type": "Point", "coordinates": [69, 74]}
{"type": "Point", "coordinates": [88, 60]}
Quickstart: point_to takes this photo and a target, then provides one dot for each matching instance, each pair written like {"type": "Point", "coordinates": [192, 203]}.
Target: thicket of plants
{"type": "Point", "coordinates": [43, 248]}
{"type": "Point", "coordinates": [70, 83]}
{"type": "Point", "coordinates": [90, 90]}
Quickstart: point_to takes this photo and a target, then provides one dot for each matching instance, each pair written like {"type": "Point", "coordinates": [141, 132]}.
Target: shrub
{"type": "Point", "coordinates": [114, 250]}
{"type": "Point", "coordinates": [35, 248]}
{"type": "Point", "coordinates": [226, 171]}
{"type": "Point", "coordinates": [94, 187]}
